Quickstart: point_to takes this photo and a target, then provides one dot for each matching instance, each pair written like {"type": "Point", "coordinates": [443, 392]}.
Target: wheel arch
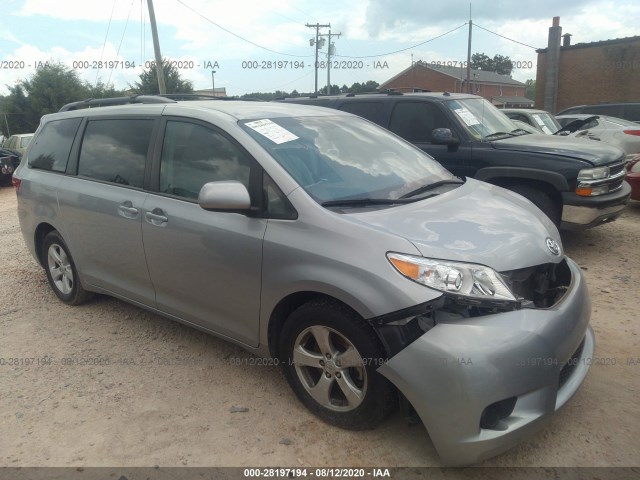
{"type": "Point", "coordinates": [507, 182]}
{"type": "Point", "coordinates": [552, 180]}
{"type": "Point", "coordinates": [41, 232]}
{"type": "Point", "coordinates": [286, 306]}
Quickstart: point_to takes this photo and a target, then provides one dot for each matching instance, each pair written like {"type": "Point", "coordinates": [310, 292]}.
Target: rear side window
{"type": "Point", "coordinates": [50, 149]}
{"type": "Point", "coordinates": [115, 150]}
{"type": "Point", "coordinates": [414, 121]}
{"type": "Point", "coordinates": [370, 110]}
{"type": "Point", "coordinates": [193, 155]}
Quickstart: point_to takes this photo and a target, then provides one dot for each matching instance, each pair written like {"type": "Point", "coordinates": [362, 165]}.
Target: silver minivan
{"type": "Point", "coordinates": [355, 261]}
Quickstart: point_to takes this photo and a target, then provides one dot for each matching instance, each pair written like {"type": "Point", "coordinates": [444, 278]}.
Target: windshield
{"type": "Point", "coordinates": [481, 119]}
{"type": "Point", "coordinates": [546, 122]}
{"type": "Point", "coordinates": [345, 157]}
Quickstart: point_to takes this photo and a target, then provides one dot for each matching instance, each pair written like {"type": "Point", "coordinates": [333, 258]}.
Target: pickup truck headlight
{"type": "Point", "coordinates": [589, 179]}
{"type": "Point", "coordinates": [464, 279]}
{"type": "Point", "coordinates": [599, 173]}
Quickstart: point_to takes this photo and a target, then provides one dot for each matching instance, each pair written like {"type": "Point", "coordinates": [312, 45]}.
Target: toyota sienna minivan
{"type": "Point", "coordinates": [360, 265]}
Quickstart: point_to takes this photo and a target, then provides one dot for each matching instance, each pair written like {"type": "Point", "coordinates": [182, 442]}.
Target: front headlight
{"type": "Point", "coordinates": [464, 279]}
{"type": "Point", "coordinates": [593, 173]}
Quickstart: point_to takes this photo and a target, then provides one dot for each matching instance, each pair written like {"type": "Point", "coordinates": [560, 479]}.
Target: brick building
{"type": "Point", "coordinates": [425, 76]}
{"type": "Point", "coordinates": [585, 73]}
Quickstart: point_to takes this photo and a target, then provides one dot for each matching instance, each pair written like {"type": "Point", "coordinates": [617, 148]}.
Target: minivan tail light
{"type": "Point", "coordinates": [16, 182]}
{"type": "Point", "coordinates": [632, 132]}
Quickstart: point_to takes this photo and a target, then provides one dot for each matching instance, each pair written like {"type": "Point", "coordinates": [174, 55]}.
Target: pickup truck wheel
{"type": "Point", "coordinates": [61, 271]}
{"type": "Point", "coordinates": [330, 357]}
{"type": "Point", "coordinates": [540, 199]}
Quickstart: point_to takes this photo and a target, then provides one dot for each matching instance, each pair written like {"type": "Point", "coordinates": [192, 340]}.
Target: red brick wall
{"type": "Point", "coordinates": [429, 79]}
{"type": "Point", "coordinates": [597, 74]}
{"type": "Point", "coordinates": [425, 78]}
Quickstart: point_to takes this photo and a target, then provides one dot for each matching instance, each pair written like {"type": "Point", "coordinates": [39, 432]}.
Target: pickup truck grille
{"type": "Point", "coordinates": [616, 177]}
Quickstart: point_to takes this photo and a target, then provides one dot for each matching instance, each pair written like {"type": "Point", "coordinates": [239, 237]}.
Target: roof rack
{"type": "Point", "coordinates": [103, 102]}
{"type": "Point", "coordinates": [349, 95]}
{"type": "Point", "coordinates": [198, 96]}
{"type": "Point", "coordinates": [156, 98]}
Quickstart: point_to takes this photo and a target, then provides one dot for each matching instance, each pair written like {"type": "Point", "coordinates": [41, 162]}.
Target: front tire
{"type": "Point", "coordinates": [61, 270]}
{"type": "Point", "coordinates": [330, 357]}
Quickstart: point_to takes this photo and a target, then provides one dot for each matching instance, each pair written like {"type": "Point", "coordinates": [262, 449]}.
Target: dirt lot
{"type": "Point", "coordinates": [163, 394]}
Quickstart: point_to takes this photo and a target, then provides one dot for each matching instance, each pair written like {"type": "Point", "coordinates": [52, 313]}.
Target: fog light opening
{"type": "Point", "coordinates": [493, 415]}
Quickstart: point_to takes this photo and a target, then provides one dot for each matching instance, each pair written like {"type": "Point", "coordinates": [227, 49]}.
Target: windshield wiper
{"type": "Point", "coordinates": [495, 134]}
{"type": "Point", "coordinates": [524, 132]}
{"type": "Point", "coordinates": [364, 202]}
{"type": "Point", "coordinates": [431, 186]}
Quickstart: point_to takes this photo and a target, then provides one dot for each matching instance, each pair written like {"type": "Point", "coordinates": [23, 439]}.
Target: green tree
{"type": "Point", "coordinates": [266, 96]}
{"type": "Point", "coordinates": [530, 90]}
{"type": "Point", "coordinates": [502, 65]}
{"type": "Point", "coordinates": [103, 90]}
{"type": "Point", "coordinates": [51, 87]}
{"type": "Point", "coordinates": [499, 64]}
{"type": "Point", "coordinates": [335, 90]}
{"type": "Point", "coordinates": [369, 86]}
{"type": "Point", "coordinates": [148, 81]}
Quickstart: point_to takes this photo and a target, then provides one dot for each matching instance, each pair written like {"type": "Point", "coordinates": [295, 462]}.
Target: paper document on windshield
{"type": "Point", "coordinates": [272, 131]}
{"type": "Point", "coordinates": [540, 122]}
{"type": "Point", "coordinates": [466, 116]}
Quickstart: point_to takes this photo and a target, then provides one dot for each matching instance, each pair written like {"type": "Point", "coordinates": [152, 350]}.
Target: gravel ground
{"type": "Point", "coordinates": [160, 393]}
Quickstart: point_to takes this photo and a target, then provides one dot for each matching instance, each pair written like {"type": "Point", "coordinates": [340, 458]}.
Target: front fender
{"type": "Point", "coordinates": [556, 180]}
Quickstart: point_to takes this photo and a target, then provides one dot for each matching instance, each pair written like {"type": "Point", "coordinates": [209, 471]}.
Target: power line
{"type": "Point", "coordinates": [238, 36]}
{"type": "Point", "coordinates": [104, 44]}
{"type": "Point", "coordinates": [506, 38]}
{"type": "Point", "coordinates": [121, 39]}
{"type": "Point", "coordinates": [403, 49]}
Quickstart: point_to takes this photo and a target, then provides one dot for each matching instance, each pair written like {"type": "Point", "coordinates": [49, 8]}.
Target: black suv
{"type": "Point", "coordinates": [578, 184]}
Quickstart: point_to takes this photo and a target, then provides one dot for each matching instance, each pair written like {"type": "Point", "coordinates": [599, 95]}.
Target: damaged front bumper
{"type": "Point", "coordinates": [482, 384]}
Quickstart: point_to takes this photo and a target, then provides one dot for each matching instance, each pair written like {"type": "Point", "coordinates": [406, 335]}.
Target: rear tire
{"type": "Point", "coordinates": [61, 270]}
{"type": "Point", "coordinates": [330, 357]}
{"type": "Point", "coordinates": [540, 199]}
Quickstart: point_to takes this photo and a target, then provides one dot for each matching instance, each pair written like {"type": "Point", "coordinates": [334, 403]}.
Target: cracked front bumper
{"type": "Point", "coordinates": [452, 373]}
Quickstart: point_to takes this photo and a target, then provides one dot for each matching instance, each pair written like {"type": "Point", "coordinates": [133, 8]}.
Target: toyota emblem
{"type": "Point", "coordinates": [553, 246]}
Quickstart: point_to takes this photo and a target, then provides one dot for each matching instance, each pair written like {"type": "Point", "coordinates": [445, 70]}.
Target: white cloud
{"type": "Point", "coordinates": [280, 25]}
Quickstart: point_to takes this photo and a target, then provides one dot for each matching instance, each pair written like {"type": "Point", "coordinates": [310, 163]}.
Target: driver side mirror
{"type": "Point", "coordinates": [443, 136]}
{"type": "Point", "coordinates": [224, 196]}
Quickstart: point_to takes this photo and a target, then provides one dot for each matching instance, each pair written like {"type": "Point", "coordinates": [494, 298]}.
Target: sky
{"type": "Point", "coordinates": [263, 46]}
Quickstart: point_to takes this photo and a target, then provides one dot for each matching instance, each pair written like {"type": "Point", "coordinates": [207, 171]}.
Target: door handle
{"type": "Point", "coordinates": [156, 217]}
{"type": "Point", "coordinates": [127, 210]}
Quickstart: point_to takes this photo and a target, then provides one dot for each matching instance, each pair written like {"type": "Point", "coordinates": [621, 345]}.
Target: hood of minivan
{"type": "Point", "coordinates": [596, 153]}
{"type": "Point", "coordinates": [477, 223]}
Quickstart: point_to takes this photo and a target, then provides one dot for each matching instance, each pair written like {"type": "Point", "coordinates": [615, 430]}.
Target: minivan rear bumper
{"type": "Point", "coordinates": [455, 371]}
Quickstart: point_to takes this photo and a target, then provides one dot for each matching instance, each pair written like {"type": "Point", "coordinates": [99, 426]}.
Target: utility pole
{"type": "Point", "coordinates": [469, 59]}
{"type": "Point", "coordinates": [7, 123]}
{"type": "Point", "coordinates": [213, 83]}
{"type": "Point", "coordinates": [156, 48]}
{"type": "Point", "coordinates": [315, 42]}
{"type": "Point", "coordinates": [330, 47]}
